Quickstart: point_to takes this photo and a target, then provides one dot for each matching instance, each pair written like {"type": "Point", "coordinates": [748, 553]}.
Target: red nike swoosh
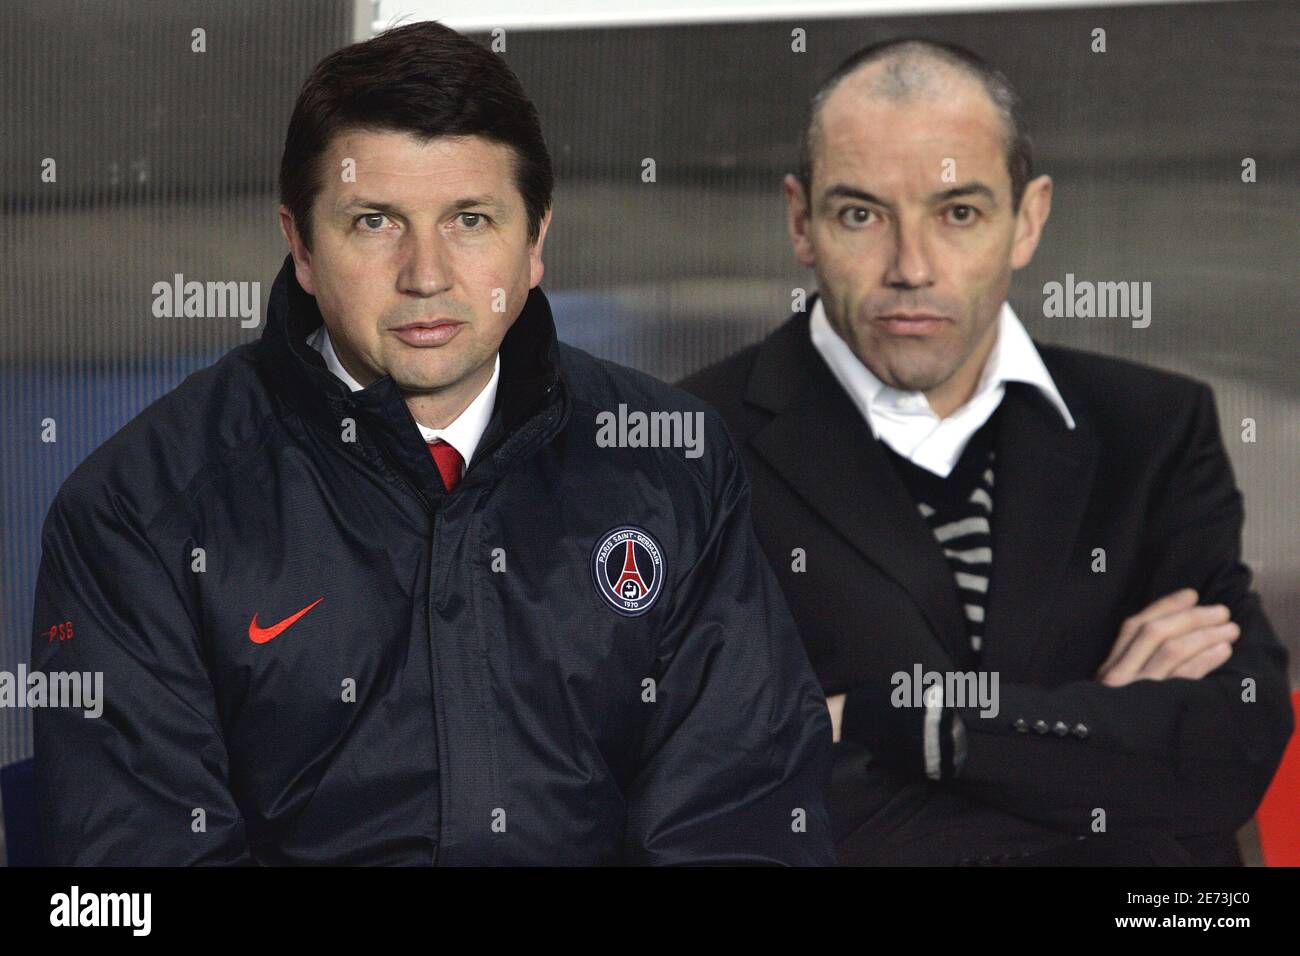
{"type": "Point", "coordinates": [261, 635]}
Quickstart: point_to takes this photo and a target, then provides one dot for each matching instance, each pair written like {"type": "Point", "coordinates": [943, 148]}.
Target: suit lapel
{"type": "Point", "coordinates": [824, 450]}
{"type": "Point", "coordinates": [1043, 475]}
{"type": "Point", "coordinates": [821, 446]}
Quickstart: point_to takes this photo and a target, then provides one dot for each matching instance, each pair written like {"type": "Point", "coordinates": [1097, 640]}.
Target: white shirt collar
{"type": "Point", "coordinates": [905, 421]}
{"type": "Point", "coordinates": [464, 434]}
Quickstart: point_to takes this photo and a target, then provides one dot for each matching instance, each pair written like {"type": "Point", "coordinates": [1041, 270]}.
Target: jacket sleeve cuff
{"type": "Point", "coordinates": [925, 739]}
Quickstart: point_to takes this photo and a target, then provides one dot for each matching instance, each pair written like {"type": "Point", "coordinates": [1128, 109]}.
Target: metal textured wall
{"type": "Point", "coordinates": [165, 162]}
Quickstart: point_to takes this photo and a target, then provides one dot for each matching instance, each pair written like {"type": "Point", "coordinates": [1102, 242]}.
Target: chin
{"type": "Point", "coordinates": [921, 380]}
{"type": "Point", "coordinates": [426, 381]}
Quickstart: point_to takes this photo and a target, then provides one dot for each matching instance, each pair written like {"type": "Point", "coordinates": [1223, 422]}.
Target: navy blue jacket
{"type": "Point", "coordinates": [461, 690]}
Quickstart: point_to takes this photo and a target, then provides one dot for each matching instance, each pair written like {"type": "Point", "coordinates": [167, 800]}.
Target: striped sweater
{"type": "Point", "coordinates": [959, 511]}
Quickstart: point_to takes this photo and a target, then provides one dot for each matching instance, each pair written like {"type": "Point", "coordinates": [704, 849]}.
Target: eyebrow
{"type": "Point", "coordinates": [973, 188]}
{"type": "Point", "coordinates": [360, 202]}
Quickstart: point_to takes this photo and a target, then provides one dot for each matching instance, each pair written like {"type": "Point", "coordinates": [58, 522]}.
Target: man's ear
{"type": "Point", "coordinates": [298, 249]}
{"type": "Point", "coordinates": [1035, 207]}
{"type": "Point", "coordinates": [798, 220]}
{"type": "Point", "coordinates": [536, 268]}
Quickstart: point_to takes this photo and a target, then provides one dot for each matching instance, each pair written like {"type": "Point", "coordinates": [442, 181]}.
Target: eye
{"type": "Point", "coordinates": [371, 221]}
{"type": "Point", "coordinates": [855, 217]}
{"type": "Point", "coordinates": [473, 221]}
{"type": "Point", "coordinates": [968, 214]}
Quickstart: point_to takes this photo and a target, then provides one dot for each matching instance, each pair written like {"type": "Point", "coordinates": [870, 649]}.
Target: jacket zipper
{"type": "Point", "coordinates": [428, 610]}
{"type": "Point", "coordinates": [439, 756]}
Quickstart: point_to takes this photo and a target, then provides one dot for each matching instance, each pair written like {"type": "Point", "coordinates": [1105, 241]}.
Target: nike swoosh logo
{"type": "Point", "coordinates": [261, 635]}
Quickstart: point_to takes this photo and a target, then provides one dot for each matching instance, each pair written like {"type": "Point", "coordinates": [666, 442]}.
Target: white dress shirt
{"type": "Point", "coordinates": [464, 434]}
{"type": "Point", "coordinates": [905, 421]}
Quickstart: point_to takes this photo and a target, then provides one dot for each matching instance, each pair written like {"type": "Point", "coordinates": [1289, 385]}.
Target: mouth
{"type": "Point", "coordinates": [428, 333]}
{"type": "Point", "coordinates": [910, 323]}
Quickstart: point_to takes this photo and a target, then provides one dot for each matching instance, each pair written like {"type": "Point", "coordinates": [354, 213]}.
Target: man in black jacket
{"type": "Point", "coordinates": [407, 581]}
{"type": "Point", "coordinates": [1016, 567]}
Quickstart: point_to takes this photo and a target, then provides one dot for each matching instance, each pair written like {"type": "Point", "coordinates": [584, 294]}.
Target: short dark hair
{"type": "Point", "coordinates": [424, 79]}
{"type": "Point", "coordinates": [913, 50]}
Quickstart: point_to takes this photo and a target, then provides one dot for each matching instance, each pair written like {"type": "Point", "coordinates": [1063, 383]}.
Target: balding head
{"type": "Point", "coordinates": [914, 211]}
{"type": "Point", "coordinates": [910, 70]}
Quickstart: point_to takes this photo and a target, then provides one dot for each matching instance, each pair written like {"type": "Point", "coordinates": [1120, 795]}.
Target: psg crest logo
{"type": "Point", "coordinates": [628, 568]}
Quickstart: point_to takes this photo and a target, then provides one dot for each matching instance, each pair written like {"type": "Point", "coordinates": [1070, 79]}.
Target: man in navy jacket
{"type": "Point", "coordinates": [408, 581]}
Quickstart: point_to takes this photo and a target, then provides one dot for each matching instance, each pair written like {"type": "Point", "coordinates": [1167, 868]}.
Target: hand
{"type": "Point", "coordinates": [1172, 637]}
{"type": "Point", "coordinates": [836, 706]}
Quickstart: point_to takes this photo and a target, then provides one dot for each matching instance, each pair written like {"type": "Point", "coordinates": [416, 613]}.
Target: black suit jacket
{"type": "Point", "coordinates": [1176, 766]}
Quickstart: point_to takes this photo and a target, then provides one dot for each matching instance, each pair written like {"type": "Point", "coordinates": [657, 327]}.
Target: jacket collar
{"type": "Point", "coordinates": [530, 404]}
{"type": "Point", "coordinates": [1043, 481]}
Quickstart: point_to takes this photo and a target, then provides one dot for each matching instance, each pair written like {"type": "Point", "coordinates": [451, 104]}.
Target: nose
{"type": "Point", "coordinates": [426, 270]}
{"type": "Point", "coordinates": [909, 267]}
